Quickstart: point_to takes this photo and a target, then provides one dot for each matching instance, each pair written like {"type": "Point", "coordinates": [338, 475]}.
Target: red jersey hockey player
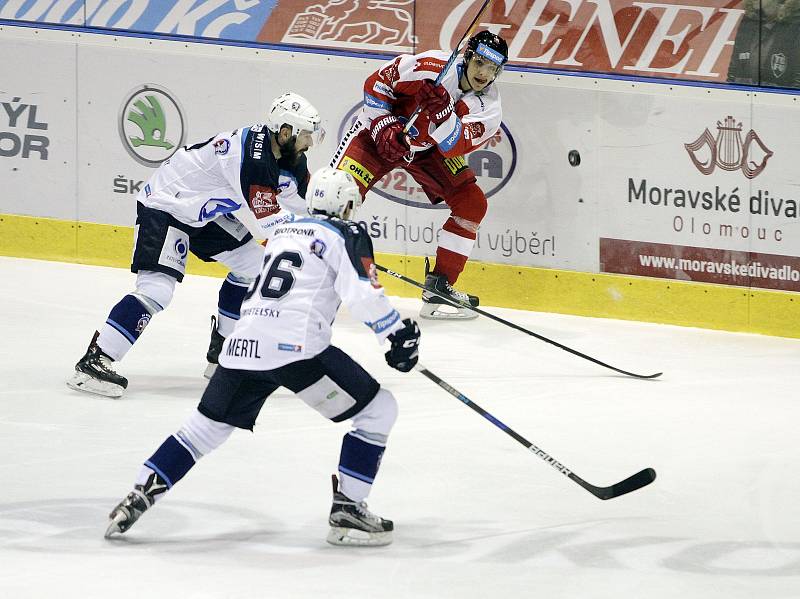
{"type": "Point", "coordinates": [457, 117]}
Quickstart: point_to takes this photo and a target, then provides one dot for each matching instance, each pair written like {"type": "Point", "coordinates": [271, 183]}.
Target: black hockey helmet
{"type": "Point", "coordinates": [489, 45]}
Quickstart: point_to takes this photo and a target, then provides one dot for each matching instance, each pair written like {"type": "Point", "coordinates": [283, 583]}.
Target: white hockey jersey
{"type": "Point", "coordinates": [310, 267]}
{"type": "Point", "coordinates": [231, 173]}
{"type": "Point", "coordinates": [391, 89]}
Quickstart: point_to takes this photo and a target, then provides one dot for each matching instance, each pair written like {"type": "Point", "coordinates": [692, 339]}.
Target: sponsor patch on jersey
{"type": "Point", "coordinates": [456, 164]}
{"type": "Point", "coordinates": [384, 89]}
{"type": "Point", "coordinates": [391, 72]}
{"type": "Point", "coordinates": [384, 323]}
{"type": "Point", "coordinates": [434, 65]}
{"type": "Point", "coordinates": [474, 130]}
{"type": "Point", "coordinates": [451, 140]}
{"type": "Point", "coordinates": [374, 102]}
{"type": "Point", "coordinates": [263, 201]}
{"type": "Point", "coordinates": [372, 272]}
{"type": "Point", "coordinates": [358, 170]}
{"type": "Point", "coordinates": [318, 247]}
{"type": "Point", "coordinates": [290, 347]}
{"type": "Point", "coordinates": [221, 147]}
{"type": "Point", "coordinates": [147, 190]}
{"type": "Point", "coordinates": [258, 148]}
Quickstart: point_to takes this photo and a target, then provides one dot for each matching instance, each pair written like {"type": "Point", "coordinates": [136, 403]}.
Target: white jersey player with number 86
{"type": "Point", "coordinates": [283, 338]}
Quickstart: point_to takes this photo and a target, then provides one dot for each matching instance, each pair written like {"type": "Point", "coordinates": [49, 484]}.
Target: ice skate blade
{"type": "Point", "coordinates": [358, 538]}
{"type": "Point", "coordinates": [432, 311]}
{"type": "Point", "coordinates": [114, 526]}
{"type": "Point", "coordinates": [81, 381]}
{"type": "Point", "coordinates": [210, 370]}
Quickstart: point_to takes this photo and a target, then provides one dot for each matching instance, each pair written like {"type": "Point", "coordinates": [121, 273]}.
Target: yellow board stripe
{"type": "Point", "coordinates": [543, 290]}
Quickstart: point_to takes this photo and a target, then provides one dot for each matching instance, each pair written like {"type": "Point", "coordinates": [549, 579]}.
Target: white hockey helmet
{"type": "Point", "coordinates": [333, 192]}
{"type": "Point", "coordinates": [294, 110]}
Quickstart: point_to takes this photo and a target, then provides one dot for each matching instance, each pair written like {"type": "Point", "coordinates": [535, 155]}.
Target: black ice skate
{"type": "Point", "coordinates": [135, 504]}
{"type": "Point", "coordinates": [94, 374]}
{"type": "Point", "coordinates": [436, 307]}
{"type": "Point", "coordinates": [214, 348]}
{"type": "Point", "coordinates": [353, 524]}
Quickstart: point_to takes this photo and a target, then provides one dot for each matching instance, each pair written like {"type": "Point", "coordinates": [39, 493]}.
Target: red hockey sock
{"type": "Point", "coordinates": [449, 264]}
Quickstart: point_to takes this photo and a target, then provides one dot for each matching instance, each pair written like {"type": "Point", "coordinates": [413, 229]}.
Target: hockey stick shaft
{"type": "Point", "coordinates": [412, 119]}
{"type": "Point", "coordinates": [632, 483]}
{"type": "Point", "coordinates": [516, 326]}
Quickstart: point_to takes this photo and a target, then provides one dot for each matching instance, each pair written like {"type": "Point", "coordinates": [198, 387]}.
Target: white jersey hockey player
{"type": "Point", "coordinates": [283, 337]}
{"type": "Point", "coordinates": [206, 199]}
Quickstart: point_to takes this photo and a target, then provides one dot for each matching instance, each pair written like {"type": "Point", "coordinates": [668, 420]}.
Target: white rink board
{"type": "Point", "coordinates": [543, 212]}
{"type": "Point", "coordinates": [38, 162]}
{"type": "Point", "coordinates": [645, 141]}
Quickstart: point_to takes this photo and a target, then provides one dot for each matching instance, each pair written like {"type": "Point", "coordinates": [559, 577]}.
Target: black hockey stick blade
{"type": "Point", "coordinates": [508, 323]}
{"type": "Point", "coordinates": [630, 484]}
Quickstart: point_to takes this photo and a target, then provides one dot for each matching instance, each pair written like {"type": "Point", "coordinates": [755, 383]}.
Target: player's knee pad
{"type": "Point", "coordinates": [201, 435]}
{"type": "Point", "coordinates": [328, 398]}
{"type": "Point", "coordinates": [468, 206]}
{"type": "Point", "coordinates": [245, 260]}
{"type": "Point", "coordinates": [154, 290]}
{"type": "Point", "coordinates": [374, 423]}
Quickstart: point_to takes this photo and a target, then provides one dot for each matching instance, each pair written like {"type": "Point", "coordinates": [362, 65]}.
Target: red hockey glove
{"type": "Point", "coordinates": [435, 100]}
{"type": "Point", "coordinates": [387, 133]}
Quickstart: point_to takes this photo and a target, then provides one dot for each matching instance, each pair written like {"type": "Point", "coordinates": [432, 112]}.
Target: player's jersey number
{"type": "Point", "coordinates": [277, 280]}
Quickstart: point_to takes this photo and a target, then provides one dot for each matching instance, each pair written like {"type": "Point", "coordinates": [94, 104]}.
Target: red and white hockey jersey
{"type": "Point", "coordinates": [391, 90]}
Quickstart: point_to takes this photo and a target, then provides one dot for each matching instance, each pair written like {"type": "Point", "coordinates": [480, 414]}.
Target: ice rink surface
{"type": "Point", "coordinates": [476, 515]}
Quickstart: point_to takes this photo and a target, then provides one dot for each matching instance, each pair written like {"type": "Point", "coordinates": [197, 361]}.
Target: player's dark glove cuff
{"type": "Point", "coordinates": [404, 353]}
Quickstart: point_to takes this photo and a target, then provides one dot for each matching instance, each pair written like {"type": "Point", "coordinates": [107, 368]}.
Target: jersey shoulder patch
{"type": "Point", "coordinates": [358, 245]}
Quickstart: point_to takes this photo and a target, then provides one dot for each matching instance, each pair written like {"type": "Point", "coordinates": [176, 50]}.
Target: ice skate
{"type": "Point", "coordinates": [437, 308]}
{"type": "Point", "coordinates": [214, 348]}
{"type": "Point", "coordinates": [136, 503]}
{"type": "Point", "coordinates": [94, 374]}
{"type": "Point", "coordinates": [353, 524]}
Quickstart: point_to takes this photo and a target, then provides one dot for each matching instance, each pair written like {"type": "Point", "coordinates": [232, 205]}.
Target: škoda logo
{"type": "Point", "coordinates": [728, 152]}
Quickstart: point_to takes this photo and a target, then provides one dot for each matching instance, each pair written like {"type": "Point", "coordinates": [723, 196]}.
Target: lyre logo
{"type": "Point", "coordinates": [728, 152]}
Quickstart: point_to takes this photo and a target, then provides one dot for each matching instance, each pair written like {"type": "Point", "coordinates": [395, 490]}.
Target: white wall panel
{"type": "Point", "coordinates": [37, 128]}
{"type": "Point", "coordinates": [543, 211]}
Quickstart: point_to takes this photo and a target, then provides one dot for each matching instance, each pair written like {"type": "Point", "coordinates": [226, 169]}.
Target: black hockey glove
{"type": "Point", "coordinates": [404, 354]}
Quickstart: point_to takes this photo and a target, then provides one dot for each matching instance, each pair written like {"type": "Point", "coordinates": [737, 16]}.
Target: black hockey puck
{"type": "Point", "coordinates": [574, 157]}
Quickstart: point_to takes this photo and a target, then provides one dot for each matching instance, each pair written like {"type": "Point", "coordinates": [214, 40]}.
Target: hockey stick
{"type": "Point", "coordinates": [465, 305]}
{"type": "Point", "coordinates": [632, 483]}
{"type": "Point", "coordinates": [449, 63]}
